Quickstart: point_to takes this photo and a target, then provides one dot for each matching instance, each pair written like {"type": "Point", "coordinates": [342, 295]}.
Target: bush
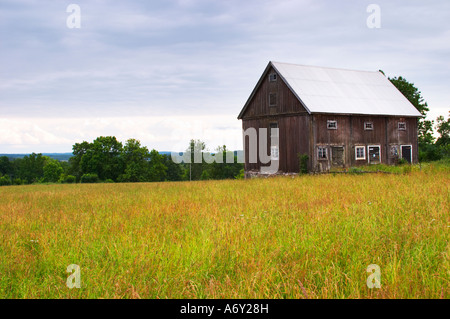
{"type": "Point", "coordinates": [402, 161]}
{"type": "Point", "coordinates": [241, 174]}
{"type": "Point", "coordinates": [5, 180]}
{"type": "Point", "coordinates": [303, 161]}
{"type": "Point", "coordinates": [70, 179]}
{"type": "Point", "coordinates": [109, 180]}
{"type": "Point", "coordinates": [89, 178]}
{"type": "Point", "coordinates": [18, 181]}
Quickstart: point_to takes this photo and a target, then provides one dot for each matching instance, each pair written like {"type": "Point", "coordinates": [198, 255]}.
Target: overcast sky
{"type": "Point", "coordinates": [167, 71]}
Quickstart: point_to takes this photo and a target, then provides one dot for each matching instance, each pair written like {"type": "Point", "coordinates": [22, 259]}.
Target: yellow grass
{"type": "Point", "coordinates": [302, 237]}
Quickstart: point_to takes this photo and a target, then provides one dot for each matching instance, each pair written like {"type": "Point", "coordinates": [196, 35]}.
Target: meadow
{"type": "Point", "coordinates": [310, 236]}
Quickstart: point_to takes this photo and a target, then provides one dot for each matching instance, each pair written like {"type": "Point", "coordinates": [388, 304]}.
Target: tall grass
{"type": "Point", "coordinates": [259, 238]}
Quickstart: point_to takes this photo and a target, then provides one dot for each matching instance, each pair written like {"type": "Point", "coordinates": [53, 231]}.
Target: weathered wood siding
{"type": "Point", "coordinates": [289, 114]}
{"type": "Point", "coordinates": [293, 139]}
{"type": "Point", "coordinates": [287, 102]}
{"type": "Point", "coordinates": [350, 133]}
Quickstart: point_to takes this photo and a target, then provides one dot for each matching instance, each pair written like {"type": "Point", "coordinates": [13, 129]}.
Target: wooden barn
{"type": "Point", "coordinates": [339, 118]}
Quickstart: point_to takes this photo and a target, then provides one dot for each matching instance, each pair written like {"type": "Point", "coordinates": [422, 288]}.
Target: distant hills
{"type": "Point", "coordinates": [64, 156]}
{"type": "Point", "coordinates": [59, 156]}
{"type": "Point", "coordinates": [56, 156]}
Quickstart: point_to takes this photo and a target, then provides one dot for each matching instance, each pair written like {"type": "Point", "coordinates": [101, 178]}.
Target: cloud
{"type": "Point", "coordinates": [159, 132]}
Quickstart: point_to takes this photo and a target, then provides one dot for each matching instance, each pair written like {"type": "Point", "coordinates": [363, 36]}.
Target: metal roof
{"type": "Point", "coordinates": [340, 91]}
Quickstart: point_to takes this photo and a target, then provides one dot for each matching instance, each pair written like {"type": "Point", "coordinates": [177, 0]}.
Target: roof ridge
{"type": "Point", "coordinates": [323, 67]}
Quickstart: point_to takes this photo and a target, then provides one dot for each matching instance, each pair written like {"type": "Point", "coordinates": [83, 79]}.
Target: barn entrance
{"type": "Point", "coordinates": [407, 152]}
{"type": "Point", "coordinates": [374, 154]}
{"type": "Point", "coordinates": [337, 156]}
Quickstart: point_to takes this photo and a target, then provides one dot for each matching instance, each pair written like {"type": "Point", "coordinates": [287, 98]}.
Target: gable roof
{"type": "Point", "coordinates": [340, 91]}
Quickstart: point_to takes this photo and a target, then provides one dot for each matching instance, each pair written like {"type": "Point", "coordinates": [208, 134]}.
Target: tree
{"type": "Point", "coordinates": [31, 168]}
{"type": "Point", "coordinates": [135, 158]}
{"type": "Point", "coordinates": [157, 170]}
{"type": "Point", "coordinates": [222, 169]}
{"type": "Point", "coordinates": [425, 127]}
{"type": "Point", "coordinates": [6, 167]}
{"type": "Point", "coordinates": [103, 157]}
{"type": "Point", "coordinates": [194, 170]}
{"type": "Point", "coordinates": [78, 150]}
{"type": "Point", "coordinates": [174, 170]}
{"type": "Point", "coordinates": [443, 142]}
{"type": "Point", "coordinates": [443, 128]}
{"type": "Point", "coordinates": [52, 170]}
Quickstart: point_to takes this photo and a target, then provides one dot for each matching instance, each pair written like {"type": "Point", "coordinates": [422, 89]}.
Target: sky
{"type": "Point", "coordinates": [164, 72]}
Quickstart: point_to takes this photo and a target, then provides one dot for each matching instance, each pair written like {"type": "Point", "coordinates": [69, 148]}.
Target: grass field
{"type": "Point", "coordinates": [284, 237]}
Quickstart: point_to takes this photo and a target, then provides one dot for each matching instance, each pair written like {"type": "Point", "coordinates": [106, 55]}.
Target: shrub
{"type": "Point", "coordinates": [241, 174]}
{"type": "Point", "coordinates": [109, 180]}
{"type": "Point", "coordinates": [89, 178]}
{"type": "Point", "coordinates": [18, 181]}
{"type": "Point", "coordinates": [303, 161]}
{"type": "Point", "coordinates": [5, 180]}
{"type": "Point", "coordinates": [402, 161]}
{"type": "Point", "coordinates": [70, 179]}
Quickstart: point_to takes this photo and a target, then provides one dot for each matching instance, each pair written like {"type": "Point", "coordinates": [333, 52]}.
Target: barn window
{"type": "Point", "coordinates": [402, 126]}
{"type": "Point", "coordinates": [360, 152]}
{"type": "Point", "coordinates": [322, 152]}
{"type": "Point", "coordinates": [331, 125]}
{"type": "Point", "coordinates": [368, 126]}
{"type": "Point", "coordinates": [273, 77]}
{"type": "Point", "coordinates": [394, 151]}
{"type": "Point", "coordinates": [272, 99]}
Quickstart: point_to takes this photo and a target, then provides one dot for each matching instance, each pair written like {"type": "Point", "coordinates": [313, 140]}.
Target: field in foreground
{"type": "Point", "coordinates": [302, 237]}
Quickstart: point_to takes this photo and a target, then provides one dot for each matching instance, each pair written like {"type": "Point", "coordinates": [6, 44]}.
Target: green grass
{"type": "Point", "coordinates": [257, 238]}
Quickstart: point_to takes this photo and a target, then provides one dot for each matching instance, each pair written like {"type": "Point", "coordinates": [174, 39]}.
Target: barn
{"type": "Point", "coordinates": [339, 118]}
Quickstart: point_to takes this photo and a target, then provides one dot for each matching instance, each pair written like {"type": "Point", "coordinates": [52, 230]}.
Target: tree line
{"type": "Point", "coordinates": [108, 160]}
{"type": "Point", "coordinates": [431, 148]}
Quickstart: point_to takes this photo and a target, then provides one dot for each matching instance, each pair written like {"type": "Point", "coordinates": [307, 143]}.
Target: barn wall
{"type": "Point", "coordinates": [287, 102]}
{"type": "Point", "coordinates": [293, 139]}
{"type": "Point", "coordinates": [350, 133]}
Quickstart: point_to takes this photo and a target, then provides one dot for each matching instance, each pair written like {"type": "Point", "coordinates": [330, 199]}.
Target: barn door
{"type": "Point", "coordinates": [406, 152]}
{"type": "Point", "coordinates": [374, 154]}
{"type": "Point", "coordinates": [337, 156]}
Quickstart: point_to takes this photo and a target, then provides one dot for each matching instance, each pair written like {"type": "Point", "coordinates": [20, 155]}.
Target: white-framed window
{"type": "Point", "coordinates": [374, 154]}
{"type": "Point", "coordinates": [332, 125]}
{"type": "Point", "coordinates": [322, 152]}
{"type": "Point", "coordinates": [402, 126]}
{"type": "Point", "coordinates": [272, 99]}
{"type": "Point", "coordinates": [272, 77]}
{"type": "Point", "coordinates": [360, 152]}
{"type": "Point", "coordinates": [274, 154]}
{"type": "Point", "coordinates": [368, 126]}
